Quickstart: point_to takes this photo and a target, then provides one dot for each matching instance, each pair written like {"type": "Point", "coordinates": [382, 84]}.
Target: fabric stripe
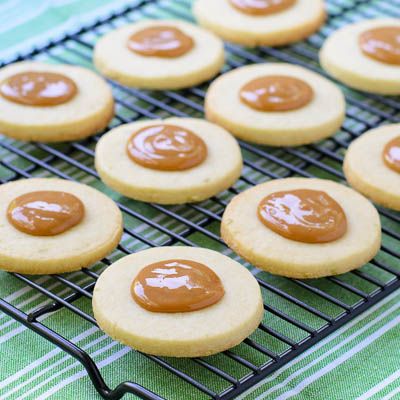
{"type": "Point", "coordinates": [82, 374]}
{"type": "Point", "coordinates": [44, 358]}
{"type": "Point", "coordinates": [392, 394]}
{"type": "Point", "coordinates": [61, 372]}
{"type": "Point", "coordinates": [360, 346]}
{"type": "Point", "coordinates": [318, 346]}
{"type": "Point", "coordinates": [376, 389]}
{"type": "Point", "coordinates": [340, 345]}
{"type": "Point", "coordinates": [52, 367]}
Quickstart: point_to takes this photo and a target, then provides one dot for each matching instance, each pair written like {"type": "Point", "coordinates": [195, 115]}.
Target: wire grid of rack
{"type": "Point", "coordinates": [324, 304]}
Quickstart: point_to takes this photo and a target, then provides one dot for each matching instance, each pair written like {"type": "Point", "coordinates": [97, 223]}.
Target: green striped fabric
{"type": "Point", "coordinates": [359, 361]}
{"type": "Point", "coordinates": [28, 23]}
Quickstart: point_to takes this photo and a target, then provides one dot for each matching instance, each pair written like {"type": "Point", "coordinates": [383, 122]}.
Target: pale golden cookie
{"type": "Point", "coordinates": [88, 112]}
{"type": "Point", "coordinates": [288, 26]}
{"type": "Point", "coordinates": [342, 57]}
{"type": "Point", "coordinates": [242, 230]}
{"type": "Point", "coordinates": [366, 170]}
{"type": "Point", "coordinates": [186, 334]}
{"type": "Point", "coordinates": [220, 169]}
{"type": "Point", "coordinates": [318, 119]}
{"type": "Point", "coordinates": [115, 60]}
{"type": "Point", "coordinates": [82, 245]}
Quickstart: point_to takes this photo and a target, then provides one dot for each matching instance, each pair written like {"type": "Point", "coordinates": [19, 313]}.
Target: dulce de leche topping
{"type": "Point", "coordinates": [160, 41]}
{"type": "Point", "coordinates": [391, 154]}
{"type": "Point", "coordinates": [382, 44]}
{"type": "Point", "coordinates": [45, 213]}
{"type": "Point", "coordinates": [262, 7]}
{"type": "Point", "coordinates": [176, 286]}
{"type": "Point", "coordinates": [166, 147]}
{"type": "Point", "coordinates": [38, 88]}
{"type": "Point", "coordinates": [304, 215]}
{"type": "Point", "coordinates": [276, 93]}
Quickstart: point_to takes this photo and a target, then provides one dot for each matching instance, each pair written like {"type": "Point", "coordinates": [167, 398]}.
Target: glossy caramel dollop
{"type": "Point", "coordinates": [276, 93]}
{"type": "Point", "coordinates": [38, 88]}
{"type": "Point", "coordinates": [382, 44]}
{"type": "Point", "coordinates": [303, 215]}
{"type": "Point", "coordinates": [160, 41]}
{"type": "Point", "coordinates": [167, 148]}
{"type": "Point", "coordinates": [391, 154]}
{"type": "Point", "coordinates": [45, 213]}
{"type": "Point", "coordinates": [174, 286]}
{"type": "Point", "coordinates": [262, 7]}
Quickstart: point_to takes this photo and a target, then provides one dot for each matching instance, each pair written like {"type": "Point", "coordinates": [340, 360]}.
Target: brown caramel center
{"type": "Point", "coordinates": [391, 154]}
{"type": "Point", "coordinates": [276, 93]}
{"type": "Point", "coordinates": [176, 286]}
{"type": "Point", "coordinates": [303, 215]}
{"type": "Point", "coordinates": [45, 213]}
{"type": "Point", "coordinates": [38, 88]}
{"type": "Point", "coordinates": [262, 7]}
{"type": "Point", "coordinates": [160, 41]}
{"type": "Point", "coordinates": [382, 44]}
{"type": "Point", "coordinates": [166, 148]}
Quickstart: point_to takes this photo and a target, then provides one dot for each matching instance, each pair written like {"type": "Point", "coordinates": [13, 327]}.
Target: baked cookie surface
{"type": "Point", "coordinates": [317, 119]}
{"type": "Point", "coordinates": [343, 57]}
{"type": "Point", "coordinates": [218, 171]}
{"type": "Point", "coordinates": [243, 231]}
{"type": "Point", "coordinates": [366, 170]}
{"type": "Point", "coordinates": [201, 62]}
{"type": "Point", "coordinates": [87, 112]}
{"type": "Point", "coordinates": [183, 334]}
{"type": "Point", "coordinates": [275, 29]}
{"type": "Point", "coordinates": [96, 235]}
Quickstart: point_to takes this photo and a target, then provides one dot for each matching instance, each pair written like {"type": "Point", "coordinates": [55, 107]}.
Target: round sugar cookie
{"type": "Point", "coordinates": [218, 171]}
{"type": "Point", "coordinates": [366, 170]}
{"type": "Point", "coordinates": [321, 117]}
{"type": "Point", "coordinates": [243, 231]}
{"type": "Point", "coordinates": [201, 62]}
{"type": "Point", "coordinates": [178, 334]}
{"type": "Point", "coordinates": [87, 112]}
{"type": "Point", "coordinates": [343, 57]}
{"type": "Point", "coordinates": [96, 235]}
{"type": "Point", "coordinates": [290, 25]}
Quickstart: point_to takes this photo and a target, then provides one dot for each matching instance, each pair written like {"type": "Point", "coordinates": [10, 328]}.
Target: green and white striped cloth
{"type": "Point", "coordinates": [359, 361]}
{"type": "Point", "coordinates": [28, 23]}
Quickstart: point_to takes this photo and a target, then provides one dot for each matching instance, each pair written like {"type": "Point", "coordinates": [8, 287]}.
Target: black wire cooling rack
{"type": "Point", "coordinates": [324, 304]}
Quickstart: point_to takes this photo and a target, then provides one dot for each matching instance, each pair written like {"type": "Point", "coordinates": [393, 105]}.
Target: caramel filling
{"type": "Point", "coordinates": [45, 213]}
{"type": "Point", "coordinates": [391, 154]}
{"type": "Point", "coordinates": [160, 41]}
{"type": "Point", "coordinates": [382, 44]}
{"type": "Point", "coordinates": [276, 93]}
{"type": "Point", "coordinates": [262, 7]}
{"type": "Point", "coordinates": [176, 286]}
{"type": "Point", "coordinates": [166, 148]}
{"type": "Point", "coordinates": [38, 88]}
{"type": "Point", "coordinates": [303, 215]}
